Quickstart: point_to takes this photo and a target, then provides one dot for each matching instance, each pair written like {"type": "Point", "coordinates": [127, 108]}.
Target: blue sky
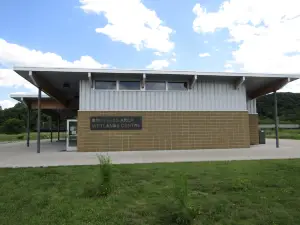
{"type": "Point", "coordinates": [198, 35]}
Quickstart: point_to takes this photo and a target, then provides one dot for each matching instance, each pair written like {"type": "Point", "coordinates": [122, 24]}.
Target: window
{"type": "Point", "coordinates": [105, 85]}
{"type": "Point", "coordinates": [155, 85]}
{"type": "Point", "coordinates": [178, 86]}
{"type": "Point", "coordinates": [129, 85]}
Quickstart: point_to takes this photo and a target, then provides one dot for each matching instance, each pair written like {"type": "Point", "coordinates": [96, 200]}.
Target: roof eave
{"type": "Point", "coordinates": [149, 72]}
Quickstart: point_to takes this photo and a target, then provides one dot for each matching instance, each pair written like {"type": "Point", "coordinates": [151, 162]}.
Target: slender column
{"type": "Point", "coordinates": [276, 119]}
{"type": "Point", "coordinates": [28, 125]}
{"type": "Point", "coordinates": [51, 128]}
{"type": "Point", "coordinates": [58, 129]}
{"type": "Point", "coordinates": [38, 130]}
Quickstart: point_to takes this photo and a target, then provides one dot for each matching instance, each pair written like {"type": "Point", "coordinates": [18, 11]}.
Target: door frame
{"type": "Point", "coordinates": [70, 148]}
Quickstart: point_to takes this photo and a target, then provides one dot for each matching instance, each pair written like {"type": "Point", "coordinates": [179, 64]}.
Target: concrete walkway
{"type": "Point", "coordinates": [52, 154]}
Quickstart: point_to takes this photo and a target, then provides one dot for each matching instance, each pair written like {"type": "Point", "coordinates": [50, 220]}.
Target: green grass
{"type": "Point", "coordinates": [271, 121]}
{"type": "Point", "coordinates": [284, 133]}
{"type": "Point", "coordinates": [227, 193]}
{"type": "Point", "coordinates": [23, 136]}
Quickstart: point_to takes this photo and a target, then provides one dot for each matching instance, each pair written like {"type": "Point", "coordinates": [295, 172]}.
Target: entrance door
{"type": "Point", "coordinates": [71, 135]}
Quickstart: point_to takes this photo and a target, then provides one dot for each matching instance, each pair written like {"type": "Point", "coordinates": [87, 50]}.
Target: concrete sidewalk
{"type": "Point", "coordinates": [18, 155]}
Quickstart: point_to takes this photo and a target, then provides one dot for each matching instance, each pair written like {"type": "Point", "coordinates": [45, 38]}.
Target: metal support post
{"type": "Point", "coordinates": [50, 128]}
{"type": "Point", "coordinates": [28, 126]}
{"type": "Point", "coordinates": [58, 129]}
{"type": "Point", "coordinates": [38, 130]}
{"type": "Point", "coordinates": [276, 119]}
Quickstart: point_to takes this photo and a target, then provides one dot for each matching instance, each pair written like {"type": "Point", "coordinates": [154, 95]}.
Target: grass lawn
{"type": "Point", "coordinates": [22, 137]}
{"type": "Point", "coordinates": [232, 193]}
{"type": "Point", "coordinates": [284, 133]}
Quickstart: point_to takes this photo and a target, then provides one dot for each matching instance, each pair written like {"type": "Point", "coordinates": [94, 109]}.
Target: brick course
{"type": "Point", "coordinates": [253, 129]}
{"type": "Point", "coordinates": [166, 130]}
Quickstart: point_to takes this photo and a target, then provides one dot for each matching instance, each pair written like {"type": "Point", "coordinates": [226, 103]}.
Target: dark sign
{"type": "Point", "coordinates": [116, 123]}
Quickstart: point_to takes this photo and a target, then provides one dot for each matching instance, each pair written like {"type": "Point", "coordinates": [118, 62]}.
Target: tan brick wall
{"type": "Point", "coordinates": [253, 129]}
{"type": "Point", "coordinates": [167, 130]}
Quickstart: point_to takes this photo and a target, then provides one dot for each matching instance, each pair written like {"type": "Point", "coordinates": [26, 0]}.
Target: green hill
{"type": "Point", "coordinates": [288, 108]}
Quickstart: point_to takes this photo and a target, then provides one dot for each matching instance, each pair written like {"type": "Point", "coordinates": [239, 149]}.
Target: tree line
{"type": "Point", "coordinates": [14, 120]}
{"type": "Point", "coordinates": [288, 108]}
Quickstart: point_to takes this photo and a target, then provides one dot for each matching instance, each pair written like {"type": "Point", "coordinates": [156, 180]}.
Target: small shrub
{"type": "Point", "coordinates": [105, 175]}
{"type": "Point", "coordinates": [103, 186]}
{"type": "Point", "coordinates": [45, 136]}
{"type": "Point", "coordinates": [20, 137]}
{"type": "Point", "coordinates": [177, 211]}
{"type": "Point", "coordinates": [13, 126]}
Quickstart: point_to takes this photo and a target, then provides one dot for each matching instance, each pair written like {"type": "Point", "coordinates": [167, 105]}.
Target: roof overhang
{"type": "Point", "coordinates": [49, 105]}
{"type": "Point", "coordinates": [31, 101]}
{"type": "Point", "coordinates": [28, 99]}
{"type": "Point", "coordinates": [62, 84]}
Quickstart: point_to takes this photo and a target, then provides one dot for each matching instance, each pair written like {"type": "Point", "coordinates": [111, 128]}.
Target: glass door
{"type": "Point", "coordinates": [71, 141]}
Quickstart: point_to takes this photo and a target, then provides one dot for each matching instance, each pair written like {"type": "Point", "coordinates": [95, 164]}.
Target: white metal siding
{"type": "Point", "coordinates": [251, 106]}
{"type": "Point", "coordinates": [205, 96]}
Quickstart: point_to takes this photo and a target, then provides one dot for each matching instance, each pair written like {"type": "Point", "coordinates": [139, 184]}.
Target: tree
{"type": "Point", "coordinates": [13, 126]}
{"type": "Point", "coordinates": [1, 114]}
{"type": "Point", "coordinates": [288, 107]}
{"type": "Point", "coordinates": [19, 111]}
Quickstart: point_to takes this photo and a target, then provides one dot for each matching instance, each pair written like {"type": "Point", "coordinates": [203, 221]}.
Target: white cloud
{"type": "Point", "coordinates": [162, 63]}
{"type": "Point", "coordinates": [292, 87]}
{"type": "Point", "coordinates": [267, 37]}
{"type": "Point", "coordinates": [205, 54]}
{"type": "Point", "coordinates": [13, 54]}
{"type": "Point", "coordinates": [8, 78]}
{"type": "Point", "coordinates": [266, 33]}
{"type": "Point", "coordinates": [131, 22]}
{"type": "Point", "coordinates": [229, 71]}
{"type": "Point", "coordinates": [173, 57]}
{"type": "Point", "coordinates": [20, 93]}
{"type": "Point", "coordinates": [158, 64]}
{"type": "Point", "coordinates": [205, 42]}
{"type": "Point", "coordinates": [227, 65]}
{"type": "Point", "coordinates": [7, 103]}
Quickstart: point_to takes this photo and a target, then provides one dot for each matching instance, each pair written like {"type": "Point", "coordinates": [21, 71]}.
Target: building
{"type": "Point", "coordinates": [124, 110]}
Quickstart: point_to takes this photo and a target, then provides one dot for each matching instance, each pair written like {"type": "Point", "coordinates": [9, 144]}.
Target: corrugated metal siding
{"type": "Point", "coordinates": [251, 106]}
{"type": "Point", "coordinates": [205, 96]}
